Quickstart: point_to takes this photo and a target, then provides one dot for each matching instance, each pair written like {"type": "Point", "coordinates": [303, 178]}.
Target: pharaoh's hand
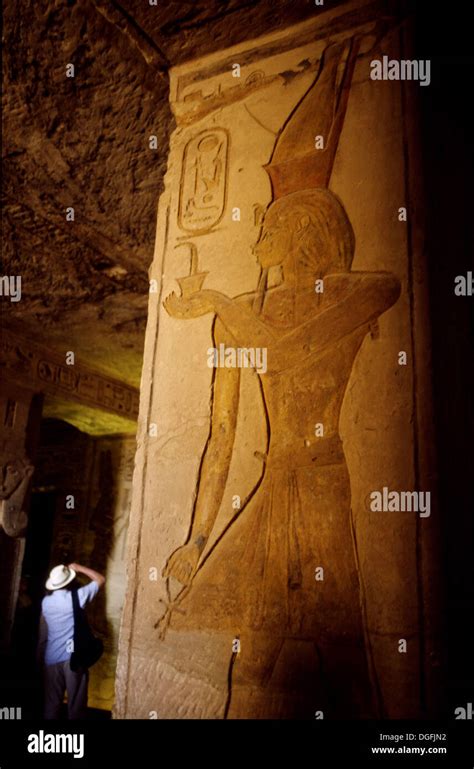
{"type": "Point", "coordinates": [183, 563]}
{"type": "Point", "coordinates": [199, 303]}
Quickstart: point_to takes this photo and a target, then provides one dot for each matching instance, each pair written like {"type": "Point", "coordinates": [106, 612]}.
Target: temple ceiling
{"type": "Point", "coordinates": [82, 143]}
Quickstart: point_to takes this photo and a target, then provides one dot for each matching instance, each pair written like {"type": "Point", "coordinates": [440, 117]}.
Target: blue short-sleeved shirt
{"type": "Point", "coordinates": [59, 615]}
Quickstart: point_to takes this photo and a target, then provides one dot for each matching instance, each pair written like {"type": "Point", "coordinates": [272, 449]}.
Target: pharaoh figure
{"type": "Point", "coordinates": [15, 477]}
{"type": "Point", "coordinates": [302, 639]}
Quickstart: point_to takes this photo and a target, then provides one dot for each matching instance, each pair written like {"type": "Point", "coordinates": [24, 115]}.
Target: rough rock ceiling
{"type": "Point", "coordinates": [184, 30]}
{"type": "Point", "coordinates": [82, 142]}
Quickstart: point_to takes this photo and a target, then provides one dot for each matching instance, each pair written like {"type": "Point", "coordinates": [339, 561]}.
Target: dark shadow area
{"type": "Point", "coordinates": [57, 529]}
{"type": "Point", "coordinates": [22, 664]}
{"type": "Point", "coordinates": [447, 131]}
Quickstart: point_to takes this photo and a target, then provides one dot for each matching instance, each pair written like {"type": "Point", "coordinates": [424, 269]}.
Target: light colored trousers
{"type": "Point", "coordinates": [59, 678]}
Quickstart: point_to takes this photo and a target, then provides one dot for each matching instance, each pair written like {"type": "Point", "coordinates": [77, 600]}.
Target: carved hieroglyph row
{"type": "Point", "coordinates": [47, 371]}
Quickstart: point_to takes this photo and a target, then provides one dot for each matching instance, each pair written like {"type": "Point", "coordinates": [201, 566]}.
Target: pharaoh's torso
{"type": "Point", "coordinates": [311, 390]}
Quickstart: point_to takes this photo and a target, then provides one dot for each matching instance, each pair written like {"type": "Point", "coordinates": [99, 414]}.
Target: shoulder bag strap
{"type": "Point", "coordinates": [77, 614]}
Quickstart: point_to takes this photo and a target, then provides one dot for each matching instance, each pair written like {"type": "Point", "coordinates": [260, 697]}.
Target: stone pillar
{"type": "Point", "coordinates": [104, 549]}
{"type": "Point", "coordinates": [20, 411]}
{"type": "Point", "coordinates": [293, 595]}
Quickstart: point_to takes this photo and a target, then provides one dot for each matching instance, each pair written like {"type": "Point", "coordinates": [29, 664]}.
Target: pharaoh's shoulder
{"type": "Point", "coordinates": [338, 285]}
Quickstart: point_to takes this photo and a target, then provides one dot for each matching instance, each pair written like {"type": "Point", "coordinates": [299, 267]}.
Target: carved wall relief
{"type": "Point", "coordinates": [20, 417]}
{"type": "Point", "coordinates": [203, 181]}
{"type": "Point", "coordinates": [276, 594]}
{"type": "Point", "coordinates": [48, 373]}
{"type": "Point", "coordinates": [15, 476]}
{"type": "Point", "coordinates": [258, 581]}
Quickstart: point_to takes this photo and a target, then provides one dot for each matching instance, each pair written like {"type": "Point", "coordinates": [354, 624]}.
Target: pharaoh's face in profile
{"type": "Point", "coordinates": [11, 475]}
{"type": "Point", "coordinates": [274, 243]}
{"type": "Point", "coordinates": [307, 231]}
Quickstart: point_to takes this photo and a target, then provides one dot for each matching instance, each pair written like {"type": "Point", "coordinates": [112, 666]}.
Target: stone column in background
{"type": "Point", "coordinates": [103, 548]}
{"type": "Point", "coordinates": [20, 414]}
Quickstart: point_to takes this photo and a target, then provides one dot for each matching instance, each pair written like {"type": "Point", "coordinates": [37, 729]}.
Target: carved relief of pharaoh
{"type": "Point", "coordinates": [302, 641]}
{"type": "Point", "coordinates": [15, 476]}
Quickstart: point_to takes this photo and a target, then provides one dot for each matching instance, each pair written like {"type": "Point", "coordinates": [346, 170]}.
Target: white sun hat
{"type": "Point", "coordinates": [59, 577]}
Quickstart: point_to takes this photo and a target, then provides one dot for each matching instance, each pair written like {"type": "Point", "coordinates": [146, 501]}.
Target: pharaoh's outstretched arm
{"type": "Point", "coordinates": [368, 296]}
{"type": "Point", "coordinates": [214, 468]}
{"type": "Point", "coordinates": [236, 317]}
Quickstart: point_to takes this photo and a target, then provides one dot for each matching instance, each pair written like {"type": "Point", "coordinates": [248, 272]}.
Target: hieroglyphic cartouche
{"type": "Point", "coordinates": [203, 181]}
